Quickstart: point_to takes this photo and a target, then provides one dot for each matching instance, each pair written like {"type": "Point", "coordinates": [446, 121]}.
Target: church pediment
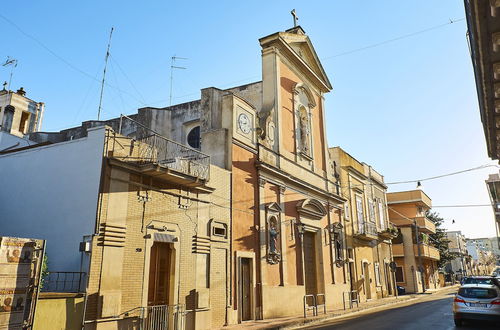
{"type": "Point", "coordinates": [298, 47]}
{"type": "Point", "coordinates": [273, 208]}
{"type": "Point", "coordinates": [303, 48]}
{"type": "Point", "coordinates": [311, 208]}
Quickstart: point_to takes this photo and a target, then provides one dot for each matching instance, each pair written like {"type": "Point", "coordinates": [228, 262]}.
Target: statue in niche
{"type": "Point", "coordinates": [304, 131]}
{"type": "Point", "coordinates": [273, 256]}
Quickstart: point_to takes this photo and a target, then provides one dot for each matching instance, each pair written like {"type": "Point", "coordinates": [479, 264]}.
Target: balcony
{"type": "Point", "coordinates": [417, 197]}
{"type": "Point", "coordinates": [425, 225]}
{"type": "Point", "coordinates": [426, 251]}
{"type": "Point", "coordinates": [388, 233]}
{"type": "Point", "coordinates": [156, 156]}
{"type": "Point", "coordinates": [366, 231]}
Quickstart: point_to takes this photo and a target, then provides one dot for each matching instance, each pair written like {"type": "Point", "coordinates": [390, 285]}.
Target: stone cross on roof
{"type": "Point", "coordinates": [295, 17]}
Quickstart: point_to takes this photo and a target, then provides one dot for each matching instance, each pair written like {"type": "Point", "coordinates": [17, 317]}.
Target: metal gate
{"type": "Point", "coordinates": [163, 317]}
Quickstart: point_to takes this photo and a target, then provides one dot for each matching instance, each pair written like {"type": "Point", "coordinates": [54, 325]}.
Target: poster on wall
{"type": "Point", "coordinates": [20, 268]}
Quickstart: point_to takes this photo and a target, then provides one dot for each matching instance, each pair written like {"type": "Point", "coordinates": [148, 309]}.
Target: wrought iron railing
{"type": "Point", "coordinates": [149, 147]}
{"type": "Point", "coordinates": [164, 152]}
{"type": "Point", "coordinates": [71, 282]}
{"type": "Point", "coordinates": [367, 228]}
{"type": "Point", "coordinates": [163, 317]}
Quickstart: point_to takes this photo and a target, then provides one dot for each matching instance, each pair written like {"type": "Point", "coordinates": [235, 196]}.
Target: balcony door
{"type": "Point", "coordinates": [360, 214]}
{"type": "Point", "coordinates": [160, 274]}
{"type": "Point", "coordinates": [246, 289]}
{"type": "Point", "coordinates": [366, 272]}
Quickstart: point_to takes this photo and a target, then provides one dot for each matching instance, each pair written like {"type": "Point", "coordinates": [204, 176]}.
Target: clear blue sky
{"type": "Point", "coordinates": [408, 108]}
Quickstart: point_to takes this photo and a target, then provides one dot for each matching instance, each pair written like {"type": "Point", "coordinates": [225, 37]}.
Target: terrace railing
{"type": "Point", "coordinates": [149, 147]}
{"type": "Point", "coordinates": [71, 282]}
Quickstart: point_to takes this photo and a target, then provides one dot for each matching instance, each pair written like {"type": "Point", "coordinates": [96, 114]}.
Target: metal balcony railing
{"type": "Point", "coordinates": [71, 282]}
{"type": "Point", "coordinates": [148, 147]}
{"type": "Point", "coordinates": [367, 228]}
{"type": "Point", "coordinates": [159, 150]}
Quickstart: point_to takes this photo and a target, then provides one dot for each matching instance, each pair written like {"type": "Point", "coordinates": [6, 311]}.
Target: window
{"type": "Point", "coordinates": [8, 117]}
{"type": "Point", "coordinates": [381, 218]}
{"type": "Point", "coordinates": [346, 211]}
{"type": "Point", "coordinates": [193, 138]}
{"type": "Point", "coordinates": [377, 273]}
{"type": "Point", "coordinates": [359, 209]}
{"type": "Point", "coordinates": [399, 274]}
{"type": "Point", "coordinates": [219, 229]}
{"type": "Point", "coordinates": [371, 209]}
{"type": "Point", "coordinates": [24, 120]}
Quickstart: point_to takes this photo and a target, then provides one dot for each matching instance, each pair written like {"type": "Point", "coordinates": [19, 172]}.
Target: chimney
{"type": "Point", "coordinates": [21, 91]}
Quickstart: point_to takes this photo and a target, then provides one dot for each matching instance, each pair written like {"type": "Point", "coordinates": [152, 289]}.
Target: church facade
{"type": "Point", "coordinates": [287, 228]}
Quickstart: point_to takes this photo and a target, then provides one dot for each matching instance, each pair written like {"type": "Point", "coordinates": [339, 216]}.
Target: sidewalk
{"type": "Point", "coordinates": [296, 322]}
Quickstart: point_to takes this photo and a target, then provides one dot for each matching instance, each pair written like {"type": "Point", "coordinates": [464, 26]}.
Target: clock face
{"type": "Point", "coordinates": [244, 123]}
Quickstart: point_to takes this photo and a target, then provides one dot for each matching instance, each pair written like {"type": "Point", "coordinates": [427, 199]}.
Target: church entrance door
{"type": "Point", "coordinates": [310, 268]}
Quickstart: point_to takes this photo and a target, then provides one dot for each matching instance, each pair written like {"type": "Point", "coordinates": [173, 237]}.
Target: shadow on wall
{"type": "Point", "coordinates": [59, 311]}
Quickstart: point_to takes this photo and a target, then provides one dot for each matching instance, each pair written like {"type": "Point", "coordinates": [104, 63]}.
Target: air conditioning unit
{"type": "Point", "coordinates": [84, 247]}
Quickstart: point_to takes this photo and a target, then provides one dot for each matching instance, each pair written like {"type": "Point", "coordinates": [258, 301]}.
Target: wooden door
{"type": "Point", "coordinates": [246, 289]}
{"type": "Point", "coordinates": [310, 263]}
{"type": "Point", "coordinates": [388, 278]}
{"type": "Point", "coordinates": [160, 269]}
{"type": "Point", "coordinates": [366, 272]}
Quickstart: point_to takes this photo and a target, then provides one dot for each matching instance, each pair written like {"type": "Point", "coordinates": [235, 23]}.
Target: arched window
{"type": "Point", "coordinates": [193, 137]}
{"type": "Point", "coordinates": [8, 117]}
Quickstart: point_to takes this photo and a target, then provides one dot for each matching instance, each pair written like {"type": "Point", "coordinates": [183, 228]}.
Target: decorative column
{"type": "Point", "coordinates": [283, 263]}
{"type": "Point", "coordinates": [262, 232]}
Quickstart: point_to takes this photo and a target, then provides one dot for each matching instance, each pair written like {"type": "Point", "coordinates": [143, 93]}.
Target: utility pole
{"type": "Point", "coordinates": [104, 74]}
{"type": "Point", "coordinates": [172, 67]}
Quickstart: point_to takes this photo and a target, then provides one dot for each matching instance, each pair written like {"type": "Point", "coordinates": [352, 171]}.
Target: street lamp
{"type": "Point", "coordinates": [301, 229]}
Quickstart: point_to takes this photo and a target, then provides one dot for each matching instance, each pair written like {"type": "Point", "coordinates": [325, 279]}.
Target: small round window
{"type": "Point", "coordinates": [193, 138]}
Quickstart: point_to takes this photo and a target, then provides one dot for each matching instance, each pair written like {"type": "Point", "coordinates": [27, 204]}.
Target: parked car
{"type": "Point", "coordinates": [401, 290]}
{"type": "Point", "coordinates": [476, 302]}
{"type": "Point", "coordinates": [481, 280]}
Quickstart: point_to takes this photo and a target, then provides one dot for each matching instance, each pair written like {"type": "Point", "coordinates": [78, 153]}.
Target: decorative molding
{"type": "Point", "coordinates": [112, 235]}
{"type": "Point", "coordinates": [273, 258]}
{"type": "Point", "coordinates": [310, 96]}
{"type": "Point", "coordinates": [311, 208]}
{"type": "Point", "coordinates": [262, 182]}
{"type": "Point", "coordinates": [282, 189]}
{"type": "Point", "coordinates": [201, 244]}
{"type": "Point", "coordinates": [273, 208]}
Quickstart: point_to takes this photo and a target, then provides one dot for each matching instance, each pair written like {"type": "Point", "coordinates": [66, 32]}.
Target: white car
{"type": "Point", "coordinates": [476, 302]}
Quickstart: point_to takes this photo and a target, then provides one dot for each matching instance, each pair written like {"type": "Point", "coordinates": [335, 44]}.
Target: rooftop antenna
{"type": "Point", "coordinates": [12, 62]}
{"type": "Point", "coordinates": [104, 74]}
{"type": "Point", "coordinates": [172, 67]}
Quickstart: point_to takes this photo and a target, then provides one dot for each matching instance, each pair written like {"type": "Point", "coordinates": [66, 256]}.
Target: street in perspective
{"type": "Point", "coordinates": [250, 165]}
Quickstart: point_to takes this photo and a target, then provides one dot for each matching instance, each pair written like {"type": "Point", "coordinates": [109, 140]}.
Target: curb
{"type": "Point", "coordinates": [308, 322]}
{"type": "Point", "coordinates": [320, 319]}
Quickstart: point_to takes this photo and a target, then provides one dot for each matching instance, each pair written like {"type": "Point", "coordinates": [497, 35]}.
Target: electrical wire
{"type": "Point", "coordinates": [445, 175]}
{"type": "Point", "coordinates": [395, 39]}
{"type": "Point", "coordinates": [60, 58]}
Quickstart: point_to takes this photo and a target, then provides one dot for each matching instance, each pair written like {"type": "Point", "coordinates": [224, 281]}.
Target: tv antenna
{"type": "Point", "coordinates": [172, 68]}
{"type": "Point", "coordinates": [12, 62]}
{"type": "Point", "coordinates": [104, 74]}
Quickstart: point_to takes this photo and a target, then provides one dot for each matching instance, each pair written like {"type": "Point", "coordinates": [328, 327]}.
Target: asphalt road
{"type": "Point", "coordinates": [430, 313]}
